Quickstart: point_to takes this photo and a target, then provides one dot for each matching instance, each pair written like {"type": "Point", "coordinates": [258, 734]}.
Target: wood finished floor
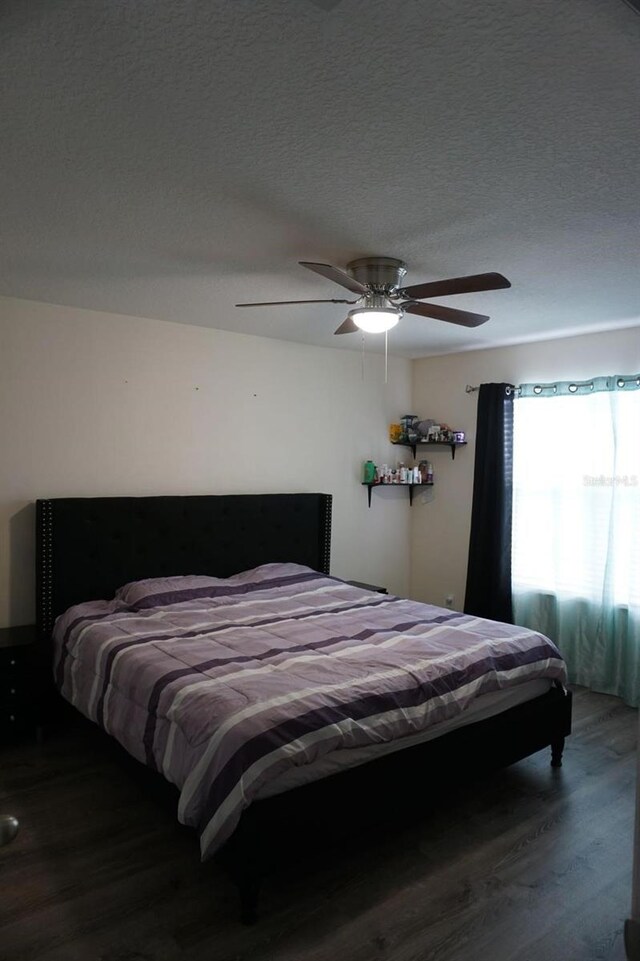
{"type": "Point", "coordinates": [530, 864]}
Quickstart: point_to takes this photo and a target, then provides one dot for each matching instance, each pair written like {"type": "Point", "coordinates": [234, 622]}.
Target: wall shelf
{"type": "Point", "coordinates": [452, 444]}
{"type": "Point", "coordinates": [395, 487]}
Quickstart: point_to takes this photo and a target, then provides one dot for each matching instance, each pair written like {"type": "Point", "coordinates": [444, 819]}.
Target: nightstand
{"type": "Point", "coordinates": [368, 587]}
{"type": "Point", "coordinates": [22, 682]}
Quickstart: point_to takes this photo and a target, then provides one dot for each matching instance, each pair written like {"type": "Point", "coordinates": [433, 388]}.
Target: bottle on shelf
{"type": "Point", "coordinates": [369, 472]}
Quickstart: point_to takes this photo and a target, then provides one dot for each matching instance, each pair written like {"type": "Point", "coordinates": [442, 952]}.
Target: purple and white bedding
{"type": "Point", "coordinates": [225, 685]}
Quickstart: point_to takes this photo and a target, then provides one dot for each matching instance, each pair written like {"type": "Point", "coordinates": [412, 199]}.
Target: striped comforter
{"type": "Point", "coordinates": [224, 684]}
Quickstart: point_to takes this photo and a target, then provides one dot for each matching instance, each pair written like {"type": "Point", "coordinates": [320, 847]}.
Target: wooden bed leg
{"type": "Point", "coordinates": [249, 890]}
{"type": "Point", "coordinates": [557, 747]}
{"type": "Point", "coordinates": [241, 859]}
{"type": "Point", "coordinates": [632, 939]}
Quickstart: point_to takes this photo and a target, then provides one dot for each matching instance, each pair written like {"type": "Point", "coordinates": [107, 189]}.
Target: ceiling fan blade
{"type": "Point", "coordinates": [280, 303]}
{"type": "Point", "coordinates": [456, 285]}
{"type": "Point", "coordinates": [347, 327]}
{"type": "Point", "coordinates": [336, 275]}
{"type": "Point", "coordinates": [452, 316]}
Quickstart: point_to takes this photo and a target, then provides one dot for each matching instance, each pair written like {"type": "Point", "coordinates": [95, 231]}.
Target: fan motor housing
{"type": "Point", "coordinates": [377, 271]}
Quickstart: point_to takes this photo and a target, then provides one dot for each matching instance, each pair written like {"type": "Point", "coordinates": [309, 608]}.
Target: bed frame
{"type": "Point", "coordinates": [87, 547]}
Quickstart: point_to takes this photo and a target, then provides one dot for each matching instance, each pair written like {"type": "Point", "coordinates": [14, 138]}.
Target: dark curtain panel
{"type": "Point", "coordinates": [488, 591]}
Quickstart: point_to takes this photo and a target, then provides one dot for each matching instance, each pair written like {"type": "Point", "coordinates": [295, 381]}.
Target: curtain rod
{"type": "Point", "coordinates": [469, 389]}
{"type": "Point", "coordinates": [621, 381]}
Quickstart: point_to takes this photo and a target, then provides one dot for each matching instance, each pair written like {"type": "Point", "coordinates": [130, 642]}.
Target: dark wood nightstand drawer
{"type": "Point", "coordinates": [18, 670]}
{"type": "Point", "coordinates": [22, 681]}
{"type": "Point", "coordinates": [368, 587]}
{"type": "Point", "coordinates": [14, 660]}
{"type": "Point", "coordinates": [13, 692]}
{"type": "Point", "coordinates": [16, 720]}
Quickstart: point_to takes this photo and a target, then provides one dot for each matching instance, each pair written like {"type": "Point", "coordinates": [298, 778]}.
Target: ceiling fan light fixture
{"type": "Point", "coordinates": [375, 321]}
{"type": "Point", "coordinates": [383, 301]}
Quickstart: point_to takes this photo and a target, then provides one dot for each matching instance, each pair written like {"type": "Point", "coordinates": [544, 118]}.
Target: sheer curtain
{"type": "Point", "coordinates": [576, 526]}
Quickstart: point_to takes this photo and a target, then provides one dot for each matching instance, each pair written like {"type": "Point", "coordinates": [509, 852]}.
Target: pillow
{"type": "Point", "coordinates": [147, 592]}
{"type": "Point", "coordinates": [160, 591]}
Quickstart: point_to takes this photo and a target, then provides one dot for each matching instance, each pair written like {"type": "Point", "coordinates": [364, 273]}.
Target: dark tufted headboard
{"type": "Point", "coordinates": [86, 547]}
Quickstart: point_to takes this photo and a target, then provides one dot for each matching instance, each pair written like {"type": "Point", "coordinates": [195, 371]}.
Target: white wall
{"type": "Point", "coordinates": [99, 404]}
{"type": "Point", "coordinates": [440, 529]}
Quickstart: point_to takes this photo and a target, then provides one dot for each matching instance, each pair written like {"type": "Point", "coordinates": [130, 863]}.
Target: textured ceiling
{"type": "Point", "coordinates": [168, 159]}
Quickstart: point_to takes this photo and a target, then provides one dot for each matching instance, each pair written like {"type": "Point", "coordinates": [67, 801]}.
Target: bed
{"type": "Point", "coordinates": [207, 636]}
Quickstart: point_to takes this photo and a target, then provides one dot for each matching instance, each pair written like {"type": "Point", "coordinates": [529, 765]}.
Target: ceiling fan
{"type": "Point", "coordinates": [382, 301]}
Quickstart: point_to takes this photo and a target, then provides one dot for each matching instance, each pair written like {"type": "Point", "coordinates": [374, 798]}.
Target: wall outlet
{"type": "Point", "coordinates": [448, 600]}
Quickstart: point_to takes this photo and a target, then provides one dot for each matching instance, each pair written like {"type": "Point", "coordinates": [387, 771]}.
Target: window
{"type": "Point", "coordinates": [576, 528]}
{"type": "Point", "coordinates": [576, 496]}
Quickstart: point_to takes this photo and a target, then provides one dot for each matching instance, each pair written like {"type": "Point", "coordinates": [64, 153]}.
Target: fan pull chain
{"type": "Point", "coordinates": [363, 355]}
{"type": "Point", "coordinates": [386, 354]}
